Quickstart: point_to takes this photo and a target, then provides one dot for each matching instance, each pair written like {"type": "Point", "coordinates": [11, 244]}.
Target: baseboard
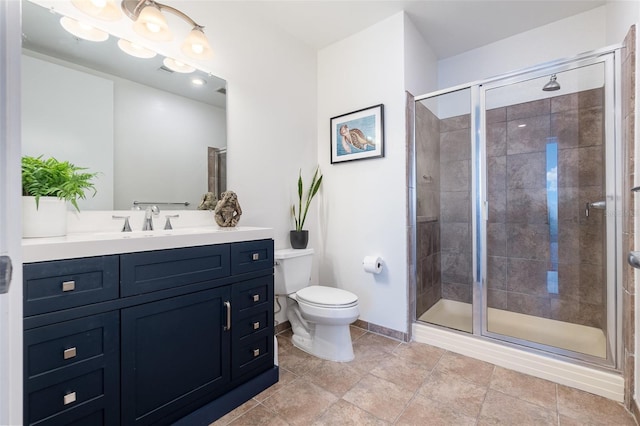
{"type": "Point", "coordinates": [374, 328]}
{"type": "Point", "coordinates": [604, 383]}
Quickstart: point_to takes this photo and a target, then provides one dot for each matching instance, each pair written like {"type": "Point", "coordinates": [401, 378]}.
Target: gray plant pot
{"type": "Point", "coordinates": [299, 239]}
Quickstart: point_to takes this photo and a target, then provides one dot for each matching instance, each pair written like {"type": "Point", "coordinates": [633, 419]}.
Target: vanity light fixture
{"type": "Point", "coordinates": [177, 66]}
{"type": "Point", "coordinates": [82, 30]}
{"type": "Point", "coordinates": [135, 49]}
{"type": "Point", "coordinates": [151, 24]}
{"type": "Point", "coordinates": [106, 10]}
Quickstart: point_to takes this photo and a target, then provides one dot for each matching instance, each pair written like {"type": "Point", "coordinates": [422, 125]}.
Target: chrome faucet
{"type": "Point", "coordinates": [150, 211]}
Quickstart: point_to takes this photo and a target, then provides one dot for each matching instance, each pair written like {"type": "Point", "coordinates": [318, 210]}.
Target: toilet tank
{"type": "Point", "coordinates": [293, 270]}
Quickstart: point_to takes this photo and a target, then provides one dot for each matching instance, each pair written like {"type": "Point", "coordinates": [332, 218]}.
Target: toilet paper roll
{"type": "Point", "coordinates": [372, 264]}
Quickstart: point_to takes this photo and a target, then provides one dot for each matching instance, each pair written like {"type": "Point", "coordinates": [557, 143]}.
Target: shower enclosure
{"type": "Point", "coordinates": [516, 192]}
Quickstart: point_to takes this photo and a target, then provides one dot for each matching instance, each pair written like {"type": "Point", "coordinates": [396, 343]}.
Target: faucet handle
{"type": "Point", "coordinates": [167, 224]}
{"type": "Point", "coordinates": [126, 227]}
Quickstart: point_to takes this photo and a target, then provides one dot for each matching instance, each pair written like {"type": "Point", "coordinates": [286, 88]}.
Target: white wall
{"type": "Point", "coordinates": [620, 14]}
{"type": "Point", "coordinates": [271, 107]}
{"type": "Point", "coordinates": [76, 127]}
{"type": "Point", "coordinates": [561, 39]}
{"type": "Point", "coordinates": [363, 207]}
{"type": "Point", "coordinates": [420, 63]}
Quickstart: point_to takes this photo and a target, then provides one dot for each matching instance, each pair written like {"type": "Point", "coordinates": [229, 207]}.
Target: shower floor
{"type": "Point", "coordinates": [572, 337]}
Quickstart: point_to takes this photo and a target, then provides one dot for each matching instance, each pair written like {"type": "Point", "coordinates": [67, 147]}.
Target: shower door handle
{"type": "Point", "coordinates": [600, 205]}
{"type": "Point", "coordinates": [634, 259]}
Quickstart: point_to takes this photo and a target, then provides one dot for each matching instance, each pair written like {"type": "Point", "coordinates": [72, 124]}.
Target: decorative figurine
{"type": "Point", "coordinates": [207, 202]}
{"type": "Point", "coordinates": [227, 212]}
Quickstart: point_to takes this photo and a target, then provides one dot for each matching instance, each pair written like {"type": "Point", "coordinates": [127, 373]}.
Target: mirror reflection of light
{"type": "Point", "coordinates": [522, 125]}
{"type": "Point", "coordinates": [177, 66]}
{"type": "Point", "coordinates": [135, 49]}
{"type": "Point", "coordinates": [82, 30]}
{"type": "Point", "coordinates": [99, 3]}
{"type": "Point", "coordinates": [198, 82]}
{"type": "Point", "coordinates": [84, 26]}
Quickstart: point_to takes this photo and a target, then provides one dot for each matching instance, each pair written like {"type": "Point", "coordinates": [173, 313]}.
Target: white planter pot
{"type": "Point", "coordinates": [48, 220]}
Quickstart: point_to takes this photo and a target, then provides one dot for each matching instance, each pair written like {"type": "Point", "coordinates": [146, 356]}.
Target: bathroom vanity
{"type": "Point", "coordinates": [153, 328]}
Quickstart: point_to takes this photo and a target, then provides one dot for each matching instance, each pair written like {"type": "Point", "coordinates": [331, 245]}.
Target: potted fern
{"type": "Point", "coordinates": [47, 185]}
{"type": "Point", "coordinates": [299, 238]}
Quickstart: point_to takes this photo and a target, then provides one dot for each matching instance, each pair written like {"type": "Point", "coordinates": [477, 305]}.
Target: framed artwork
{"type": "Point", "coordinates": [358, 135]}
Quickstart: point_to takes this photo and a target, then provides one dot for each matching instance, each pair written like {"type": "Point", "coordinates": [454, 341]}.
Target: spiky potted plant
{"type": "Point", "coordinates": [47, 185]}
{"type": "Point", "coordinates": [299, 237]}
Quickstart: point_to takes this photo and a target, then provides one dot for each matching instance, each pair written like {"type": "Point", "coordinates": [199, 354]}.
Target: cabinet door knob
{"type": "Point", "coordinates": [255, 256]}
{"type": "Point", "coordinates": [256, 297]}
{"type": "Point", "coordinates": [256, 352]}
{"type": "Point", "coordinates": [256, 325]}
{"type": "Point", "coordinates": [68, 285]}
{"type": "Point", "coordinates": [69, 398]}
{"type": "Point", "coordinates": [69, 353]}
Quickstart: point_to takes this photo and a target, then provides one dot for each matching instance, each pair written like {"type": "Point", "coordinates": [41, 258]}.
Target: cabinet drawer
{"type": "Point", "coordinates": [251, 256]}
{"type": "Point", "coordinates": [252, 324]}
{"type": "Point", "coordinates": [62, 396]}
{"type": "Point", "coordinates": [252, 294]}
{"type": "Point", "coordinates": [252, 355]}
{"type": "Point", "coordinates": [62, 284]}
{"type": "Point", "coordinates": [159, 270]}
{"type": "Point", "coordinates": [69, 343]}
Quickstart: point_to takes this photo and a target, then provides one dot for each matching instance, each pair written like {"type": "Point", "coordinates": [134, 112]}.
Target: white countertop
{"type": "Point", "coordinates": [86, 244]}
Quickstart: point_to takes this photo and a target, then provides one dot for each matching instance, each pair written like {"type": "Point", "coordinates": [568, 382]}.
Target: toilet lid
{"type": "Point", "coordinates": [326, 296]}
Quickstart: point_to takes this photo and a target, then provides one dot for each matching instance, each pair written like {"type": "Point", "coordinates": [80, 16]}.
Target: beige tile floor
{"type": "Point", "coordinates": [395, 383]}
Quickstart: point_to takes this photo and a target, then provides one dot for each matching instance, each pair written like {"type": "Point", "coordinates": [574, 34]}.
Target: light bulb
{"type": "Point", "coordinates": [154, 28]}
{"type": "Point", "coordinates": [152, 25]}
{"type": "Point", "coordinates": [196, 45]}
{"type": "Point", "coordinates": [99, 3]}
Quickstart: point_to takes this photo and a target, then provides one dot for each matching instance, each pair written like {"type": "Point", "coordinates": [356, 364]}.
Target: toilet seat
{"type": "Point", "coordinates": [327, 297]}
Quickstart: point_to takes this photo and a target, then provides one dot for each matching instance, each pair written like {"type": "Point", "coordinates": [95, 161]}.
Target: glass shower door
{"type": "Point", "coordinates": [549, 188]}
{"type": "Point", "coordinates": [444, 249]}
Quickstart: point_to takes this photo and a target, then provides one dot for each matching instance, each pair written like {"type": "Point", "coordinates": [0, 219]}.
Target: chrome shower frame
{"type": "Point", "coordinates": [610, 57]}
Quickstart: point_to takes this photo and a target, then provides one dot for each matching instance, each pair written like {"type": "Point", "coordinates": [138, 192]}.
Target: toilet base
{"type": "Point", "coordinates": [330, 342]}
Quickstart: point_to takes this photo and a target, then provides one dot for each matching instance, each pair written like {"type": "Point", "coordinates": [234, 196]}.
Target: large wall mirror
{"type": "Point", "coordinates": [154, 136]}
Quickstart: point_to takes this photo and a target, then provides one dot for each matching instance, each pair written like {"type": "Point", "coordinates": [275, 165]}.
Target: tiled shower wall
{"type": "Point", "coordinates": [518, 231]}
{"type": "Point", "coordinates": [518, 224]}
{"type": "Point", "coordinates": [428, 282]}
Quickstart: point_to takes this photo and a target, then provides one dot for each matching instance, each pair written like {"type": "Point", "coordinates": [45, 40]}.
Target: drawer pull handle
{"type": "Point", "coordinates": [69, 353]}
{"type": "Point", "coordinates": [255, 256]}
{"type": "Point", "coordinates": [69, 398]}
{"type": "Point", "coordinates": [256, 297]}
{"type": "Point", "coordinates": [68, 285]}
{"type": "Point", "coordinates": [256, 352]}
{"type": "Point", "coordinates": [256, 325]}
{"type": "Point", "coordinates": [227, 305]}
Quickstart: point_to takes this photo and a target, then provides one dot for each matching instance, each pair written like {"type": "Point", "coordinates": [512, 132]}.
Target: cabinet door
{"type": "Point", "coordinates": [175, 356]}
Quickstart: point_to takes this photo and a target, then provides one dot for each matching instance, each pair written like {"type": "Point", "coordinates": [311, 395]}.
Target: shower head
{"type": "Point", "coordinates": [551, 85]}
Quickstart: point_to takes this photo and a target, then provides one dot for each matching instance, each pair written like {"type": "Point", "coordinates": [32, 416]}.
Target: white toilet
{"type": "Point", "coordinates": [319, 315]}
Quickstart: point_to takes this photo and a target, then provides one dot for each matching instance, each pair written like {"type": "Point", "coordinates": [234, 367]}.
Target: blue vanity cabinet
{"type": "Point", "coordinates": [71, 366]}
{"type": "Point", "coordinates": [175, 356]}
{"type": "Point", "coordinates": [181, 335]}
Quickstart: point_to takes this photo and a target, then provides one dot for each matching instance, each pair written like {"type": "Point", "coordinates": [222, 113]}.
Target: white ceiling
{"type": "Point", "coordinates": [450, 27]}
